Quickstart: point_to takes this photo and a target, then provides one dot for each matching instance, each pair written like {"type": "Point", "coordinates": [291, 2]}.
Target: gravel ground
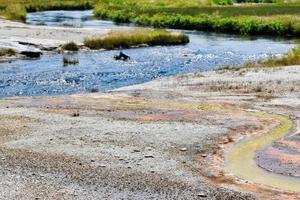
{"type": "Point", "coordinates": [93, 156]}
{"type": "Point", "coordinates": [150, 141]}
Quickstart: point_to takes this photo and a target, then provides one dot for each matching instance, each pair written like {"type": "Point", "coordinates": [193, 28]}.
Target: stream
{"type": "Point", "coordinates": [98, 71]}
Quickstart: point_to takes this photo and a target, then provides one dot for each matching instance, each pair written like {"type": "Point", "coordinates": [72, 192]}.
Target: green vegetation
{"type": "Point", "coordinates": [17, 9]}
{"type": "Point", "coordinates": [252, 19]}
{"type": "Point", "coordinates": [126, 39]}
{"type": "Point", "coordinates": [291, 58]}
{"type": "Point", "coordinates": [269, 17]}
{"type": "Point", "coordinates": [69, 61]}
{"type": "Point", "coordinates": [7, 52]}
{"type": "Point", "coordinates": [70, 46]}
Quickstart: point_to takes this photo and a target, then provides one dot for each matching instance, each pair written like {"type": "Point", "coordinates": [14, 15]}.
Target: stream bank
{"type": "Point", "coordinates": [98, 71]}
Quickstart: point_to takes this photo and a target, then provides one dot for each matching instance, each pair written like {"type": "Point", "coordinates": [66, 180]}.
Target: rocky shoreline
{"type": "Point", "coordinates": [30, 41]}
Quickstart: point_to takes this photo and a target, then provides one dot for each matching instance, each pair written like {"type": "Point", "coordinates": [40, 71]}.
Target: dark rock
{"type": "Point", "coordinates": [31, 54]}
{"type": "Point", "coordinates": [201, 195]}
{"type": "Point", "coordinates": [149, 156]}
{"type": "Point", "coordinates": [122, 56]}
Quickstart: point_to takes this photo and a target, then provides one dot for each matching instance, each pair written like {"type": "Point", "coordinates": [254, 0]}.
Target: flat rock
{"type": "Point", "coordinates": [31, 54]}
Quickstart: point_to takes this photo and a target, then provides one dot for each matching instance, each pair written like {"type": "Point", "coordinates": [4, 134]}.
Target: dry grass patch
{"type": "Point", "coordinates": [70, 46]}
{"type": "Point", "coordinates": [7, 52]}
{"type": "Point", "coordinates": [127, 39]}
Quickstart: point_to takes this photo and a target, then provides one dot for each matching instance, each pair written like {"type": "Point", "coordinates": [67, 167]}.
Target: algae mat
{"type": "Point", "coordinates": [241, 158]}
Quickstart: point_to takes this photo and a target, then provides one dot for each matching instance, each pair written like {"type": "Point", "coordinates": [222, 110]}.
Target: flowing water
{"type": "Point", "coordinates": [99, 71]}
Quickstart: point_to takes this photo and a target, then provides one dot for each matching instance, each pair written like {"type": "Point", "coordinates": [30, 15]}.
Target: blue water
{"type": "Point", "coordinates": [99, 71]}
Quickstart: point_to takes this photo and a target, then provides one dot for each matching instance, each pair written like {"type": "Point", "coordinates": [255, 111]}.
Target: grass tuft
{"type": "Point", "coordinates": [70, 46]}
{"type": "Point", "coordinates": [291, 58]}
{"type": "Point", "coordinates": [127, 39]}
{"type": "Point", "coordinates": [68, 61]}
{"type": "Point", "coordinates": [7, 52]}
{"type": "Point", "coordinates": [15, 11]}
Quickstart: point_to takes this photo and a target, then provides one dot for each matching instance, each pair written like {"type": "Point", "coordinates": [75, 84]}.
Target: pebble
{"type": "Point", "coordinates": [183, 149]}
{"type": "Point", "coordinates": [201, 195]}
{"type": "Point", "coordinates": [149, 148]}
{"type": "Point", "coordinates": [148, 156]}
{"type": "Point", "coordinates": [204, 155]}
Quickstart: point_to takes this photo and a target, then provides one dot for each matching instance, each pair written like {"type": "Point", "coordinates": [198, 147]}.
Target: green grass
{"type": "Point", "coordinates": [70, 46]}
{"type": "Point", "coordinates": [280, 18]}
{"type": "Point", "coordinates": [259, 19]}
{"type": "Point", "coordinates": [194, 10]}
{"type": "Point", "coordinates": [127, 39]}
{"type": "Point", "coordinates": [17, 9]}
{"type": "Point", "coordinates": [291, 58]}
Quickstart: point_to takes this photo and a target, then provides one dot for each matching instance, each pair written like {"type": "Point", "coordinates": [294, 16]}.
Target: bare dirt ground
{"type": "Point", "coordinates": [164, 139]}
